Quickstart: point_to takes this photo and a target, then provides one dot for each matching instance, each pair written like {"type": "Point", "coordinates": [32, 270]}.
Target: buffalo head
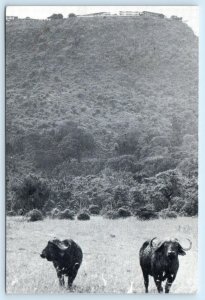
{"type": "Point", "coordinates": [54, 250]}
{"type": "Point", "coordinates": [170, 248]}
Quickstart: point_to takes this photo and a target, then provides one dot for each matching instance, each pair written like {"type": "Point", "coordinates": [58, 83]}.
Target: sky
{"type": "Point", "coordinates": [190, 14]}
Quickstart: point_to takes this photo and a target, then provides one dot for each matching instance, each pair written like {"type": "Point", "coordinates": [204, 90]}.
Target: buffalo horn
{"type": "Point", "coordinates": [190, 244]}
{"type": "Point", "coordinates": [152, 241]}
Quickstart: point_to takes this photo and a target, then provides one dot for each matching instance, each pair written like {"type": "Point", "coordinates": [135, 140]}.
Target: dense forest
{"type": "Point", "coordinates": [101, 116]}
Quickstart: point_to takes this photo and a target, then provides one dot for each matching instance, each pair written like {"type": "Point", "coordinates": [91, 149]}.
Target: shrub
{"type": "Point", "coordinates": [128, 143]}
{"type": "Point", "coordinates": [137, 198]}
{"type": "Point", "coordinates": [35, 215]}
{"type": "Point", "coordinates": [11, 213]}
{"type": "Point", "coordinates": [16, 145]}
{"type": "Point", "coordinates": [144, 213]}
{"type": "Point", "coordinates": [177, 204]}
{"type": "Point", "coordinates": [158, 163]}
{"type": "Point", "coordinates": [94, 209]}
{"type": "Point", "coordinates": [47, 159]}
{"type": "Point", "coordinates": [76, 143]}
{"type": "Point", "coordinates": [111, 214]}
{"type": "Point", "coordinates": [190, 208]}
{"type": "Point", "coordinates": [54, 213]}
{"type": "Point", "coordinates": [123, 212]}
{"type": "Point", "coordinates": [122, 163]}
{"type": "Point", "coordinates": [71, 15]}
{"type": "Point", "coordinates": [83, 216]}
{"type": "Point", "coordinates": [48, 206]}
{"type": "Point", "coordinates": [171, 214]}
{"type": "Point", "coordinates": [31, 193]}
{"type": "Point", "coordinates": [166, 213]}
{"type": "Point", "coordinates": [66, 214]}
{"type": "Point", "coordinates": [56, 17]}
{"type": "Point", "coordinates": [120, 195]}
{"type": "Point", "coordinates": [20, 212]}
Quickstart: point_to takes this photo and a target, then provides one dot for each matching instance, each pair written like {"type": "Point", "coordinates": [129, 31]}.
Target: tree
{"type": "Point", "coordinates": [177, 135]}
{"type": "Point", "coordinates": [76, 144]}
{"type": "Point", "coordinates": [56, 17]}
{"type": "Point", "coordinates": [72, 15]}
{"type": "Point", "coordinates": [128, 143]}
{"type": "Point", "coordinates": [169, 185]}
{"type": "Point", "coordinates": [31, 193]}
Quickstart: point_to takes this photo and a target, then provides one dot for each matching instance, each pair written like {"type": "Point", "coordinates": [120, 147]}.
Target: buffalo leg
{"type": "Point", "coordinates": [169, 282]}
{"type": "Point", "coordinates": [71, 278]}
{"type": "Point", "coordinates": [158, 283]}
{"type": "Point", "coordinates": [61, 279]}
{"type": "Point", "coordinates": [146, 281]}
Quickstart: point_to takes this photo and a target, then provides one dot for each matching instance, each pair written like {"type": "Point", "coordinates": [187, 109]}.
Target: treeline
{"type": "Point", "coordinates": [168, 191]}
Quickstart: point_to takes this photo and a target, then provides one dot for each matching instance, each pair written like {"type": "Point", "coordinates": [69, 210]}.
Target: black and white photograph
{"type": "Point", "coordinates": [101, 149]}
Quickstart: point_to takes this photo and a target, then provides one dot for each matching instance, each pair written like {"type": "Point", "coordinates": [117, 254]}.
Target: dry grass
{"type": "Point", "coordinates": [110, 250]}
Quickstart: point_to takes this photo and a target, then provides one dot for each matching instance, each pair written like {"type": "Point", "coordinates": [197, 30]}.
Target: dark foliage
{"type": "Point", "coordinates": [120, 196]}
{"type": "Point", "coordinates": [56, 17]}
{"type": "Point", "coordinates": [86, 104]}
{"type": "Point", "coordinates": [166, 213]}
{"type": "Point", "coordinates": [31, 193]}
{"type": "Point", "coordinates": [190, 208]}
{"type": "Point", "coordinates": [34, 215]}
{"type": "Point", "coordinates": [123, 212]}
{"type": "Point", "coordinates": [111, 214]}
{"type": "Point", "coordinates": [55, 213]}
{"type": "Point", "coordinates": [83, 216]}
{"type": "Point", "coordinates": [72, 15]}
{"type": "Point", "coordinates": [122, 163]}
{"type": "Point", "coordinates": [94, 209]}
{"type": "Point", "coordinates": [66, 214]}
{"type": "Point", "coordinates": [11, 213]}
{"type": "Point", "coordinates": [128, 143]}
{"type": "Point", "coordinates": [145, 213]}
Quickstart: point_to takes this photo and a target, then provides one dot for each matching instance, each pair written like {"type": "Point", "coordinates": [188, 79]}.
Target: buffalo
{"type": "Point", "coordinates": [66, 256]}
{"type": "Point", "coordinates": [160, 260]}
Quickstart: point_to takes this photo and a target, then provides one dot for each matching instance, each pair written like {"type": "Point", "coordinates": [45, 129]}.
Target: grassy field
{"type": "Point", "coordinates": [110, 248]}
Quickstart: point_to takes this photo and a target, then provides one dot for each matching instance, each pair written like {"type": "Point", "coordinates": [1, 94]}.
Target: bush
{"type": "Point", "coordinates": [145, 213]}
{"type": "Point", "coordinates": [21, 212]}
{"type": "Point", "coordinates": [111, 214]}
{"type": "Point", "coordinates": [76, 143]}
{"type": "Point", "coordinates": [54, 213]}
{"type": "Point", "coordinates": [56, 17]}
{"type": "Point", "coordinates": [94, 209]}
{"type": "Point", "coordinates": [11, 213]}
{"type": "Point", "coordinates": [35, 215]}
{"type": "Point", "coordinates": [122, 163]}
{"type": "Point", "coordinates": [121, 195]}
{"type": "Point", "coordinates": [190, 208]}
{"type": "Point", "coordinates": [31, 193]}
{"type": "Point", "coordinates": [177, 204]}
{"type": "Point", "coordinates": [83, 216]}
{"type": "Point", "coordinates": [123, 212]}
{"type": "Point", "coordinates": [166, 213]}
{"type": "Point", "coordinates": [128, 143]}
{"type": "Point", "coordinates": [48, 206]}
{"type": "Point", "coordinates": [158, 163]}
{"type": "Point", "coordinates": [137, 198]}
{"type": "Point", "coordinates": [66, 214]}
{"type": "Point", "coordinates": [71, 15]}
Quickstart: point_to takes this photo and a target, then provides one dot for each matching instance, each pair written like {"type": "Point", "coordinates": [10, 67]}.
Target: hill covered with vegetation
{"type": "Point", "coordinates": [101, 111]}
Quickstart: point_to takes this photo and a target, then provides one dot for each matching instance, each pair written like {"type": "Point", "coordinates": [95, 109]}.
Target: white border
{"type": "Point", "coordinates": [201, 287]}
